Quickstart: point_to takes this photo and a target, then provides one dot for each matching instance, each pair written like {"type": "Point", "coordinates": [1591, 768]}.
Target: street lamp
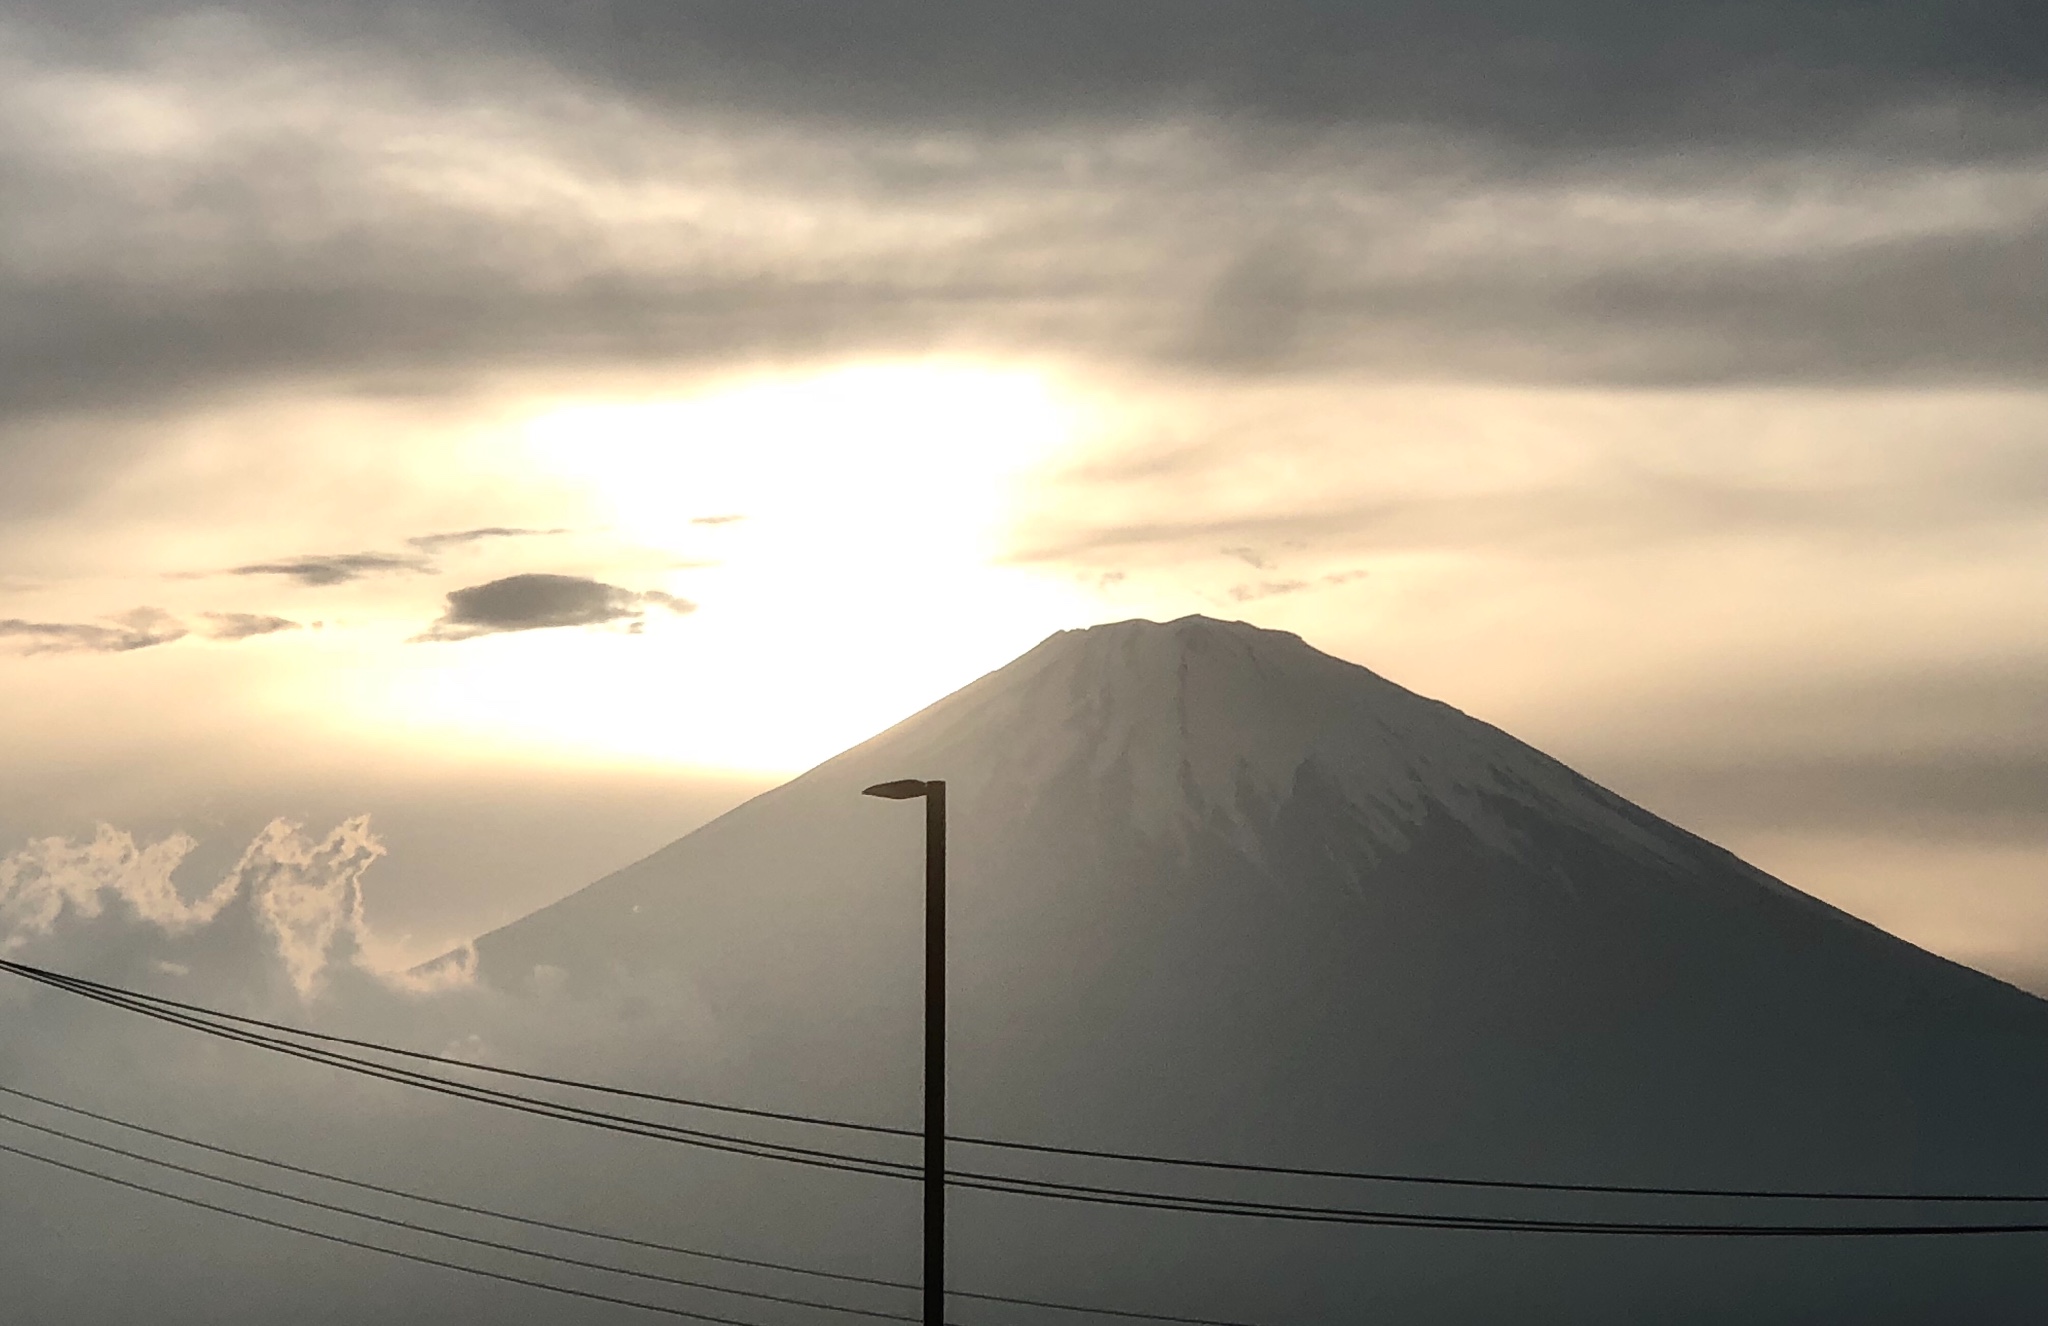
{"type": "Point", "coordinates": [934, 794]}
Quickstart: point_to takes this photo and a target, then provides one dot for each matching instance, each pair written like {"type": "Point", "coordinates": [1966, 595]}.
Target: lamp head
{"type": "Point", "coordinates": [903, 789]}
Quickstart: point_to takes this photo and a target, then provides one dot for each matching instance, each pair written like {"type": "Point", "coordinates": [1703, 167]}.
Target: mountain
{"type": "Point", "coordinates": [1216, 892]}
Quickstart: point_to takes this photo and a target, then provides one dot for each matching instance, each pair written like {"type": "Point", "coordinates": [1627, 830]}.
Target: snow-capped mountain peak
{"type": "Point", "coordinates": [1210, 725]}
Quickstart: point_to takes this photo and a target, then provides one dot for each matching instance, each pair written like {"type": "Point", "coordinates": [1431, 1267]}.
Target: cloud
{"type": "Point", "coordinates": [337, 568]}
{"type": "Point", "coordinates": [203, 207]}
{"type": "Point", "coordinates": [717, 520]}
{"type": "Point", "coordinates": [539, 601]}
{"type": "Point", "coordinates": [144, 628]}
{"type": "Point", "coordinates": [1948, 750]}
{"type": "Point", "coordinates": [324, 569]}
{"type": "Point", "coordinates": [1396, 471]}
{"type": "Point", "coordinates": [1571, 76]}
{"type": "Point", "coordinates": [246, 625]}
{"type": "Point", "coordinates": [309, 893]}
{"type": "Point", "coordinates": [1266, 589]}
{"type": "Point", "coordinates": [453, 970]}
{"type": "Point", "coordinates": [304, 895]}
{"type": "Point", "coordinates": [1957, 796]}
{"type": "Point", "coordinates": [51, 877]}
{"type": "Point", "coordinates": [436, 542]}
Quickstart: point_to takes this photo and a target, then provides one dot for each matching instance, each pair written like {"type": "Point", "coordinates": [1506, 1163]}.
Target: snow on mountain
{"type": "Point", "coordinates": [1211, 724]}
{"type": "Point", "coordinates": [1215, 890]}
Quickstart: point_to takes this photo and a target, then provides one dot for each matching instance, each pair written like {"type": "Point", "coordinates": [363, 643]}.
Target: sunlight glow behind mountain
{"type": "Point", "coordinates": [791, 510]}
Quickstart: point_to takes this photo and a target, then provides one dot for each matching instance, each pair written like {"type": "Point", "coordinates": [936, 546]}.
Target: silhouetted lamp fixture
{"type": "Point", "coordinates": [934, 794]}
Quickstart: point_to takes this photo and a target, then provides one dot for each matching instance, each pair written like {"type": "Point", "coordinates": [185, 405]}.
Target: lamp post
{"type": "Point", "coordinates": [934, 794]}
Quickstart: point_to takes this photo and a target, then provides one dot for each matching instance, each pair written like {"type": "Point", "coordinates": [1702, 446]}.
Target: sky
{"type": "Point", "coordinates": [538, 427]}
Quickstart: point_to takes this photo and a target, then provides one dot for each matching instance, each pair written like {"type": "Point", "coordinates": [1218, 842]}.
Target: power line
{"type": "Point", "coordinates": [421, 1258]}
{"type": "Point", "coordinates": [1423, 1220]}
{"type": "Point", "coordinates": [1389, 1219]}
{"type": "Point", "coordinates": [559, 1110]}
{"type": "Point", "coordinates": [415, 1227]}
{"type": "Point", "coordinates": [653, 1097]}
{"type": "Point", "coordinates": [195, 1018]}
{"type": "Point", "coordinates": [1025, 1186]}
{"type": "Point", "coordinates": [1086, 1153]}
{"type": "Point", "coordinates": [544, 1108]}
{"type": "Point", "coordinates": [1509, 1185]}
{"type": "Point", "coordinates": [621, 1239]}
{"type": "Point", "coordinates": [466, 1209]}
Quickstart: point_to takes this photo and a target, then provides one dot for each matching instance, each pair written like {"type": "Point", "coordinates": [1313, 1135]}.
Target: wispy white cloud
{"type": "Point", "coordinates": [310, 893]}
{"type": "Point", "coordinates": [304, 892]}
{"type": "Point", "coordinates": [50, 877]}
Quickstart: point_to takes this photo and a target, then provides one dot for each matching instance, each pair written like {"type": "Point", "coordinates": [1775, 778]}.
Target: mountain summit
{"type": "Point", "coordinates": [1212, 728]}
{"type": "Point", "coordinates": [1216, 891]}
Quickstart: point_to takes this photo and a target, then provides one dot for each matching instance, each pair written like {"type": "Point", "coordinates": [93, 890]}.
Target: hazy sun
{"type": "Point", "coordinates": [839, 534]}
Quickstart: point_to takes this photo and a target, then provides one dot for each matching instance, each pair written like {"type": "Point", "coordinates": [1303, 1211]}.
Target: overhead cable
{"type": "Point", "coordinates": [400, 1253]}
{"type": "Point", "coordinates": [394, 1222]}
{"type": "Point", "coordinates": [464, 1208]}
{"type": "Point", "coordinates": [652, 1097]}
{"type": "Point", "coordinates": [1425, 1220]}
{"type": "Point", "coordinates": [541, 1107]}
{"type": "Point", "coordinates": [196, 1018]}
{"type": "Point", "coordinates": [581, 1232]}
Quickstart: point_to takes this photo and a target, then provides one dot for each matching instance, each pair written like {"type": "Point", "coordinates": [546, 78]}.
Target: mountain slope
{"type": "Point", "coordinates": [1217, 890]}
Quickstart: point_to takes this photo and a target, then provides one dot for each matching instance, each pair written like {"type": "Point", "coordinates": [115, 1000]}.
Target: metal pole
{"type": "Point", "coordinates": [934, 794]}
{"type": "Point", "coordinates": [935, 1054]}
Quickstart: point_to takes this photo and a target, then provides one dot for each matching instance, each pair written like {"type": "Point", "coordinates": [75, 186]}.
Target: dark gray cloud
{"type": "Point", "coordinates": [1613, 157]}
{"type": "Point", "coordinates": [380, 314]}
{"type": "Point", "coordinates": [1925, 308]}
{"type": "Point", "coordinates": [436, 542]}
{"type": "Point", "coordinates": [1578, 72]}
{"type": "Point", "coordinates": [1566, 76]}
{"type": "Point", "coordinates": [336, 568]}
{"type": "Point", "coordinates": [1945, 300]}
{"type": "Point", "coordinates": [538, 601]}
{"type": "Point", "coordinates": [247, 625]}
{"type": "Point", "coordinates": [144, 628]}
